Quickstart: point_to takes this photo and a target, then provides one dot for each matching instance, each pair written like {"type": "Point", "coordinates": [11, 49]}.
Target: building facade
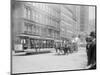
{"type": "Point", "coordinates": [69, 25]}
{"type": "Point", "coordinates": [92, 19]}
{"type": "Point", "coordinates": [84, 18]}
{"type": "Point", "coordinates": [42, 23]}
{"type": "Point", "coordinates": [84, 22]}
{"type": "Point", "coordinates": [35, 23]}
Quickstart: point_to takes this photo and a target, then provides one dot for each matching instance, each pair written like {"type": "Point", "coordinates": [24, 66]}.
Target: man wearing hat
{"type": "Point", "coordinates": [91, 50]}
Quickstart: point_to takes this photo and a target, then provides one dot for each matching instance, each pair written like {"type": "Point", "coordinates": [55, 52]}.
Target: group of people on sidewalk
{"type": "Point", "coordinates": [91, 50]}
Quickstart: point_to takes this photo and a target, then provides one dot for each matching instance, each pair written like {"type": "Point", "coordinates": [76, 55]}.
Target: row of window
{"type": "Point", "coordinates": [69, 26]}
{"type": "Point", "coordinates": [47, 8]}
{"type": "Point", "coordinates": [40, 18]}
{"type": "Point", "coordinates": [65, 11]}
{"type": "Point", "coordinates": [37, 30]}
{"type": "Point", "coordinates": [68, 19]}
{"type": "Point", "coordinates": [30, 28]}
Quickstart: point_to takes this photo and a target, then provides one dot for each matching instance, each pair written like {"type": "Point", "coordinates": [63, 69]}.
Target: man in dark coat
{"type": "Point", "coordinates": [91, 50]}
{"type": "Point", "coordinates": [88, 47]}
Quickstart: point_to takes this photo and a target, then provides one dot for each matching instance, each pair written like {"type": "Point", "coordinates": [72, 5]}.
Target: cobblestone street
{"type": "Point", "coordinates": [49, 62]}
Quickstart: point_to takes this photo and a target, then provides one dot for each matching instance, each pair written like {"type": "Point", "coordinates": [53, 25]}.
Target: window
{"type": "Point", "coordinates": [27, 13]}
{"type": "Point", "coordinates": [42, 19]}
{"type": "Point", "coordinates": [44, 6]}
{"type": "Point", "coordinates": [50, 32]}
{"type": "Point", "coordinates": [28, 28]}
{"type": "Point", "coordinates": [33, 29]}
{"type": "Point", "coordinates": [37, 17]}
{"type": "Point", "coordinates": [33, 15]}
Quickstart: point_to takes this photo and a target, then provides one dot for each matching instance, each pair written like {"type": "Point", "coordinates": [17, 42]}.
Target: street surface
{"type": "Point", "coordinates": [49, 62]}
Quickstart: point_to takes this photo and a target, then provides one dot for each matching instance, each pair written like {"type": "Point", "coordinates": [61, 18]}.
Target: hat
{"type": "Point", "coordinates": [93, 34]}
{"type": "Point", "coordinates": [88, 39]}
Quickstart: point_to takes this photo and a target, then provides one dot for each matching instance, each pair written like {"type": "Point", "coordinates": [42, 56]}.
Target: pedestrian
{"type": "Point", "coordinates": [66, 48]}
{"type": "Point", "coordinates": [88, 47]}
{"type": "Point", "coordinates": [57, 46]}
{"type": "Point", "coordinates": [91, 50]}
{"type": "Point", "coordinates": [75, 44]}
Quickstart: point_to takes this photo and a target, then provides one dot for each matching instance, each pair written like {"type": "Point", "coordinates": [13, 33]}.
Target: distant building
{"type": "Point", "coordinates": [69, 26]}
{"type": "Point", "coordinates": [92, 19]}
{"type": "Point", "coordinates": [84, 18]}
{"type": "Point", "coordinates": [87, 20]}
